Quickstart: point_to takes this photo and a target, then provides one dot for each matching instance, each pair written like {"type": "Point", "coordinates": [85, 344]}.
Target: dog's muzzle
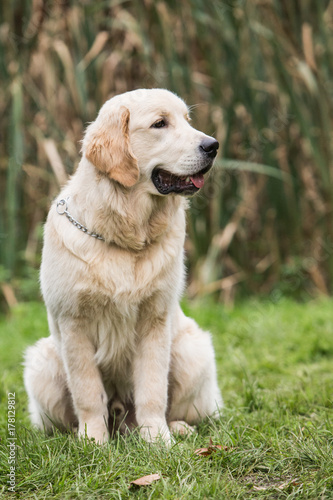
{"type": "Point", "coordinates": [167, 182]}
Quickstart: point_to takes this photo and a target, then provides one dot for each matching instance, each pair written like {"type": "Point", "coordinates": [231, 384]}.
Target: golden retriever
{"type": "Point", "coordinates": [121, 352]}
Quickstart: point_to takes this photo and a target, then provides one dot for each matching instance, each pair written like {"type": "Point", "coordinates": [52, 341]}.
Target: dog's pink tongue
{"type": "Point", "coordinates": [198, 180]}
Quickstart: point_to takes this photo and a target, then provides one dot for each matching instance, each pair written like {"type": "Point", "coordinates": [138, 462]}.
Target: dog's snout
{"type": "Point", "coordinates": [209, 146]}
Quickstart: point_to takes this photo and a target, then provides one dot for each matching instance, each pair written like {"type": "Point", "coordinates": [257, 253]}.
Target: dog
{"type": "Point", "coordinates": [121, 353]}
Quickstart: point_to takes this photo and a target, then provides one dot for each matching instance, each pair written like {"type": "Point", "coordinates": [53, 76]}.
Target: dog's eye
{"type": "Point", "coordinates": [159, 124]}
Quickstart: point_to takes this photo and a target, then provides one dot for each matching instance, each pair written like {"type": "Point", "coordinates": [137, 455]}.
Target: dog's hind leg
{"type": "Point", "coordinates": [50, 402]}
{"type": "Point", "coordinates": [193, 389]}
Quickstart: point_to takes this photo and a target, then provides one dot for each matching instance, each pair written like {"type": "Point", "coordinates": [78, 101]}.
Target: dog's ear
{"type": "Point", "coordinates": [107, 146]}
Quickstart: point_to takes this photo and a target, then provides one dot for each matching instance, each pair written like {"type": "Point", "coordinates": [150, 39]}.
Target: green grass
{"type": "Point", "coordinates": [275, 371]}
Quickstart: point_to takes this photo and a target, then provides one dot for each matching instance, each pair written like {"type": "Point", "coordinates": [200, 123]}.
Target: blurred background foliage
{"type": "Point", "coordinates": [259, 75]}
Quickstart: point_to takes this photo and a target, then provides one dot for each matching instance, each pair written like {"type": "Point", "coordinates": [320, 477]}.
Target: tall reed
{"type": "Point", "coordinates": [259, 77]}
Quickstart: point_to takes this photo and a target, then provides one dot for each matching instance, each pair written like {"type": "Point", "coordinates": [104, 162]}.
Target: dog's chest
{"type": "Point", "coordinates": [119, 292]}
{"type": "Point", "coordinates": [115, 345]}
{"type": "Point", "coordinates": [124, 277]}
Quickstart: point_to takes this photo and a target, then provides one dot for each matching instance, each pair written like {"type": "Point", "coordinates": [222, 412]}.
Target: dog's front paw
{"type": "Point", "coordinates": [154, 432]}
{"type": "Point", "coordinates": [94, 430]}
{"type": "Point", "coordinates": [181, 427]}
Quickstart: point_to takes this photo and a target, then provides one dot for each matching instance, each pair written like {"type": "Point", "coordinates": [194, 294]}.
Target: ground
{"type": "Point", "coordinates": [275, 366]}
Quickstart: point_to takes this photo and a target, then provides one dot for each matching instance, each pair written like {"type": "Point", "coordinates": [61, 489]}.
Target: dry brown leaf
{"type": "Point", "coordinates": [205, 452]}
{"type": "Point", "coordinates": [146, 480]}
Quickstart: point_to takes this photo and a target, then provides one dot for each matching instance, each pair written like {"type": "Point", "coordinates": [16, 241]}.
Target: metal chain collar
{"type": "Point", "coordinates": [62, 208]}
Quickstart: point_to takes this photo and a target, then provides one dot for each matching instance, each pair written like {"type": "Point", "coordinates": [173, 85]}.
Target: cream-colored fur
{"type": "Point", "coordinates": [119, 343]}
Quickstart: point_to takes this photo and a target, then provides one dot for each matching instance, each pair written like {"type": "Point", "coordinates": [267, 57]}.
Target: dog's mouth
{"type": "Point", "coordinates": [166, 182]}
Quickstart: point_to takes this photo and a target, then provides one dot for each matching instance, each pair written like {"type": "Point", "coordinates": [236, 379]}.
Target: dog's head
{"type": "Point", "coordinates": [144, 136]}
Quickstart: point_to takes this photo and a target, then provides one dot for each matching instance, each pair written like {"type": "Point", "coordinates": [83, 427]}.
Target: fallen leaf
{"type": "Point", "coordinates": [146, 480]}
{"type": "Point", "coordinates": [205, 452]}
{"type": "Point", "coordinates": [215, 447]}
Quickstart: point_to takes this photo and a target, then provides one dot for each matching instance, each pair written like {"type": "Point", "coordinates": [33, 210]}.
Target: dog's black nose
{"type": "Point", "coordinates": [209, 147]}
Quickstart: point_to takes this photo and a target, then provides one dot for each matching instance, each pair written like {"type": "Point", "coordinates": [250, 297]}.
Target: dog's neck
{"type": "Point", "coordinates": [129, 218]}
{"type": "Point", "coordinates": [138, 220]}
